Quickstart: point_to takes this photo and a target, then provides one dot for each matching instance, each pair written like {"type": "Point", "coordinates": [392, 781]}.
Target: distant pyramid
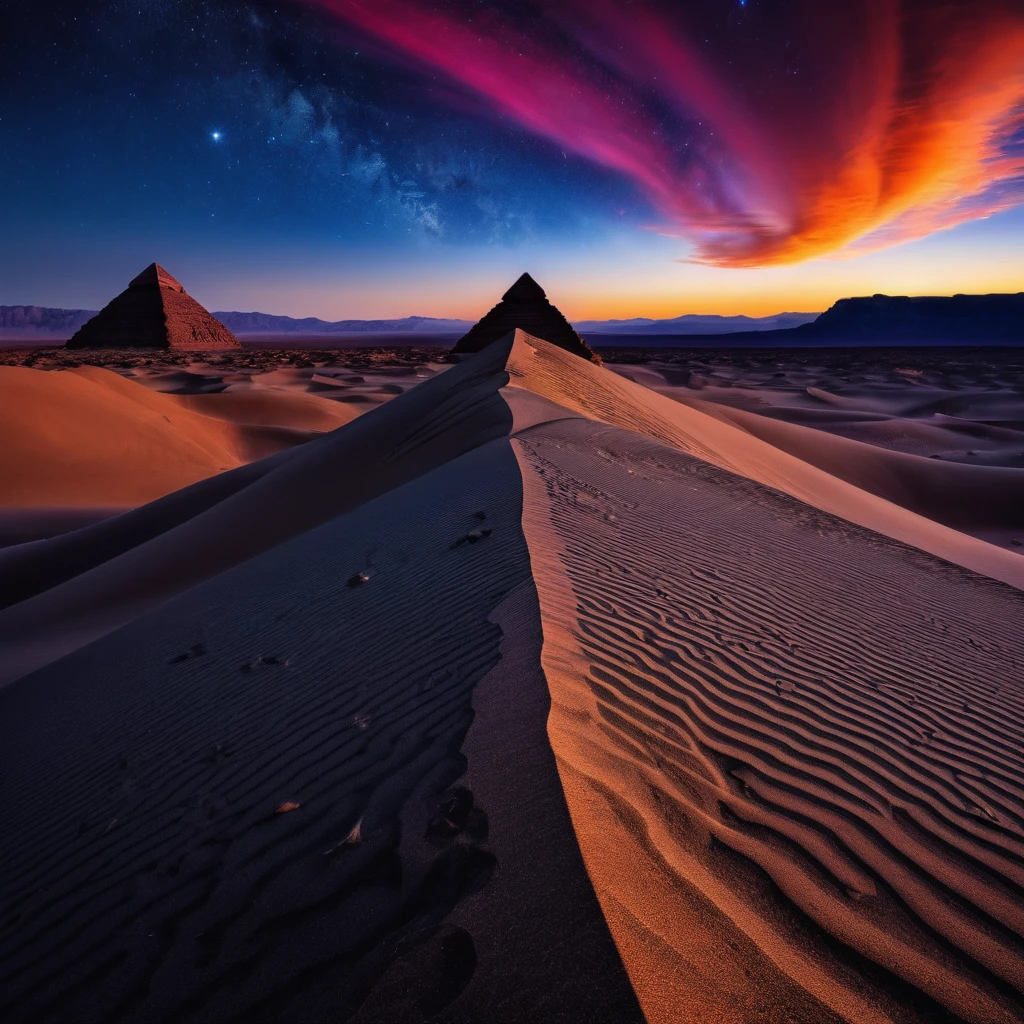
{"type": "Point", "coordinates": [154, 311]}
{"type": "Point", "coordinates": [525, 306]}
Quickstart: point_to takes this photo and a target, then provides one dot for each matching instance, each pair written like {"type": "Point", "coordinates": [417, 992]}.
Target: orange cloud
{"type": "Point", "coordinates": [939, 143]}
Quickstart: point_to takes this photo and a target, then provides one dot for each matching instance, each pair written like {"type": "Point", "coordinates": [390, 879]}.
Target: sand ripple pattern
{"type": "Point", "coordinates": [815, 730]}
{"type": "Point", "coordinates": [244, 807]}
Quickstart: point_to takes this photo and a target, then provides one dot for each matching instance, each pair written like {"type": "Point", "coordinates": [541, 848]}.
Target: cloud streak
{"type": "Point", "coordinates": [850, 127]}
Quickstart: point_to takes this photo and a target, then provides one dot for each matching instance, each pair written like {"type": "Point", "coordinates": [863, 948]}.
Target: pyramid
{"type": "Point", "coordinates": [525, 306]}
{"type": "Point", "coordinates": [154, 311]}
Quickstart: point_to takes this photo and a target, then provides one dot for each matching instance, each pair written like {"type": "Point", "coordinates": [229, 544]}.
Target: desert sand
{"type": "Point", "coordinates": [125, 431]}
{"type": "Point", "coordinates": [941, 432]}
{"type": "Point", "coordinates": [535, 693]}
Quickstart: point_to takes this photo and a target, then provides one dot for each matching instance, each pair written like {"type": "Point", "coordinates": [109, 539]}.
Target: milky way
{"type": "Point", "coordinates": [840, 128]}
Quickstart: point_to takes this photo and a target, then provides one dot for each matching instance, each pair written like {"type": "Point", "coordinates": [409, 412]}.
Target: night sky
{"type": "Point", "coordinates": [363, 158]}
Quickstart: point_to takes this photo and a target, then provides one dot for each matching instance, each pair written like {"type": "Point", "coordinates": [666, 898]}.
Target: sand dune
{"type": "Point", "coordinates": [23, 525]}
{"type": "Point", "coordinates": [969, 420]}
{"type": "Point", "coordinates": [84, 438]}
{"type": "Point", "coordinates": [804, 734]}
{"type": "Point", "coordinates": [299, 412]}
{"type": "Point", "coordinates": [966, 497]}
{"type": "Point", "coordinates": [620, 402]}
{"type": "Point", "coordinates": [197, 533]}
{"type": "Point", "coordinates": [531, 695]}
{"type": "Point", "coordinates": [151, 873]}
{"type": "Point", "coordinates": [89, 437]}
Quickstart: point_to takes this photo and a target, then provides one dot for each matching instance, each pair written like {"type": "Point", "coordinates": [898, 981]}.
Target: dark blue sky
{"type": "Point", "coordinates": [229, 127]}
{"type": "Point", "coordinates": [281, 157]}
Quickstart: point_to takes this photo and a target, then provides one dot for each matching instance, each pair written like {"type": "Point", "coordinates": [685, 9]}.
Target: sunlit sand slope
{"type": "Point", "coordinates": [962, 496]}
{"type": "Point", "coordinates": [89, 437]}
{"type": "Point", "coordinates": [597, 394]}
{"type": "Point", "coordinates": [791, 747]}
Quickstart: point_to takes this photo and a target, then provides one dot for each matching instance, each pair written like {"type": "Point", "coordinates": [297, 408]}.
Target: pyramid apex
{"type": "Point", "coordinates": [154, 274]}
{"type": "Point", "coordinates": [524, 290]}
{"type": "Point", "coordinates": [526, 307]}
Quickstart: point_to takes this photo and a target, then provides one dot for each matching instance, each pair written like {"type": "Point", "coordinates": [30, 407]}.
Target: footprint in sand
{"type": "Point", "coordinates": [472, 537]}
{"type": "Point", "coordinates": [195, 651]}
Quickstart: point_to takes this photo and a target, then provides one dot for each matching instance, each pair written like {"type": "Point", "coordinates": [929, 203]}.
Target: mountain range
{"type": "Point", "coordinates": [871, 320]}
{"type": "Point", "coordinates": [42, 322]}
{"type": "Point", "coordinates": [30, 322]}
{"type": "Point", "coordinates": [695, 323]}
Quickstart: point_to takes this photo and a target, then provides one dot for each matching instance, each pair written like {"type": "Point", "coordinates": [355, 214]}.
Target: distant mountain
{"type": "Point", "coordinates": [267, 323]}
{"type": "Point", "coordinates": [898, 320]}
{"type": "Point", "coordinates": [878, 319]}
{"type": "Point", "coordinates": [695, 323]}
{"type": "Point", "coordinates": [41, 322]}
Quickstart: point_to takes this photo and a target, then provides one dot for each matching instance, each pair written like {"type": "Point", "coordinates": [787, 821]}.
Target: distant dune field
{"type": "Point", "coordinates": [88, 436]}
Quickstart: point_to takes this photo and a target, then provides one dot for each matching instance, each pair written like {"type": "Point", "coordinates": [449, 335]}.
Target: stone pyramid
{"type": "Point", "coordinates": [154, 311]}
{"type": "Point", "coordinates": [525, 306]}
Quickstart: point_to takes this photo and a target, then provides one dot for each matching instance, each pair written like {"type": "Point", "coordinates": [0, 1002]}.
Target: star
{"type": "Point", "coordinates": [215, 136]}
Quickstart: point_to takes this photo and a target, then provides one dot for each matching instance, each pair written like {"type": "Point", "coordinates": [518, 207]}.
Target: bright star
{"type": "Point", "coordinates": [215, 136]}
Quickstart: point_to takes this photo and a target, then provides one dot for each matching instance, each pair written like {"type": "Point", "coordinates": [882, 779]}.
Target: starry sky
{"type": "Point", "coordinates": [378, 158]}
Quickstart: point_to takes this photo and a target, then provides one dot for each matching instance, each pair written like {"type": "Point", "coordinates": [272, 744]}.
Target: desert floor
{"type": "Point", "coordinates": [682, 689]}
